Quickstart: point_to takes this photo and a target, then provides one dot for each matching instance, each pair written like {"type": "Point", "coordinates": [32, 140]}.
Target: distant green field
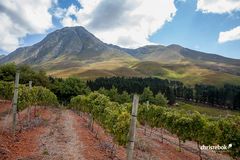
{"type": "Point", "coordinates": [189, 74]}
{"type": "Point", "coordinates": [203, 109]}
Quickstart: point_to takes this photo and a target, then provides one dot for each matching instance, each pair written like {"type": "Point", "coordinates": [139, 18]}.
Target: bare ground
{"type": "Point", "coordinates": [58, 134]}
{"type": "Point", "coordinates": [61, 141]}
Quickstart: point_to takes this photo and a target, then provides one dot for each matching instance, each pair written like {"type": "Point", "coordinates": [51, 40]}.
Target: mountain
{"type": "Point", "coordinates": [64, 48]}
{"type": "Point", "coordinates": [1, 56]}
{"type": "Point", "coordinates": [175, 54]}
{"type": "Point", "coordinates": [73, 51]}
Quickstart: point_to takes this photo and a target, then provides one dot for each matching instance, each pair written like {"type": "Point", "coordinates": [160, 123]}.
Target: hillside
{"type": "Point", "coordinates": [65, 48]}
{"type": "Point", "coordinates": [73, 51]}
{"type": "Point", "coordinates": [1, 56]}
{"type": "Point", "coordinates": [175, 54]}
{"type": "Point", "coordinates": [188, 73]}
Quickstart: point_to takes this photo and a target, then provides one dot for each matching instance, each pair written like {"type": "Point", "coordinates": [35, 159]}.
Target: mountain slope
{"type": "Point", "coordinates": [67, 47]}
{"type": "Point", "coordinates": [73, 51]}
{"type": "Point", "coordinates": [155, 51]}
{"type": "Point", "coordinates": [158, 53]}
{"type": "Point", "coordinates": [190, 74]}
{"type": "Point", "coordinates": [1, 56]}
{"type": "Point", "coordinates": [175, 54]}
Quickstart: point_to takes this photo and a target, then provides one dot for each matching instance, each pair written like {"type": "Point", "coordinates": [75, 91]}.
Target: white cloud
{"type": "Point", "coordinates": [221, 7]}
{"type": "Point", "coordinates": [19, 18]}
{"type": "Point", "coordinates": [127, 23]}
{"type": "Point", "coordinates": [59, 12]}
{"type": "Point", "coordinates": [218, 6]}
{"type": "Point", "coordinates": [231, 35]}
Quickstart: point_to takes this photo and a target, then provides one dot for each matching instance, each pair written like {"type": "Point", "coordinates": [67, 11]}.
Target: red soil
{"type": "Point", "coordinates": [93, 145]}
{"type": "Point", "coordinates": [64, 134]}
{"type": "Point", "coordinates": [5, 106]}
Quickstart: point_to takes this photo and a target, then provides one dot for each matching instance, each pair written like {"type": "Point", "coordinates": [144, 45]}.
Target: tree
{"type": "Point", "coordinates": [160, 100]}
{"type": "Point", "coordinates": [113, 94]}
{"type": "Point", "coordinates": [69, 88]}
{"type": "Point", "coordinates": [226, 97]}
{"type": "Point", "coordinates": [7, 72]}
{"type": "Point", "coordinates": [170, 95]}
{"type": "Point", "coordinates": [41, 79]}
{"type": "Point", "coordinates": [104, 91]}
{"type": "Point", "coordinates": [124, 98]}
{"type": "Point", "coordinates": [188, 94]}
{"type": "Point", "coordinates": [147, 95]}
{"type": "Point", "coordinates": [236, 103]}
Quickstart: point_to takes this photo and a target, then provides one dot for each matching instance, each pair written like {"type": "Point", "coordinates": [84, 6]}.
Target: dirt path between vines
{"type": "Point", "coordinates": [56, 134]}
{"type": "Point", "coordinates": [61, 140]}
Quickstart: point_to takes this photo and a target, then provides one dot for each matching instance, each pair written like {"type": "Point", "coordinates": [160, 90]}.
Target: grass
{"type": "Point", "coordinates": [203, 109]}
{"type": "Point", "coordinates": [150, 68]}
{"type": "Point", "coordinates": [187, 73]}
{"type": "Point", "coordinates": [122, 71]}
{"type": "Point", "coordinates": [219, 79]}
{"type": "Point", "coordinates": [88, 69]}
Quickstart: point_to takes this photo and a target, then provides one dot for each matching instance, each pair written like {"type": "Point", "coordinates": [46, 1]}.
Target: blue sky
{"type": "Point", "coordinates": [211, 26]}
{"type": "Point", "coordinates": [199, 31]}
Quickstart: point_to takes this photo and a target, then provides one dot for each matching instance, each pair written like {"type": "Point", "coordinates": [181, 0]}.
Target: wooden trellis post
{"type": "Point", "coordinates": [132, 130]}
{"type": "Point", "coordinates": [15, 98]}
{"type": "Point", "coordinates": [29, 107]}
